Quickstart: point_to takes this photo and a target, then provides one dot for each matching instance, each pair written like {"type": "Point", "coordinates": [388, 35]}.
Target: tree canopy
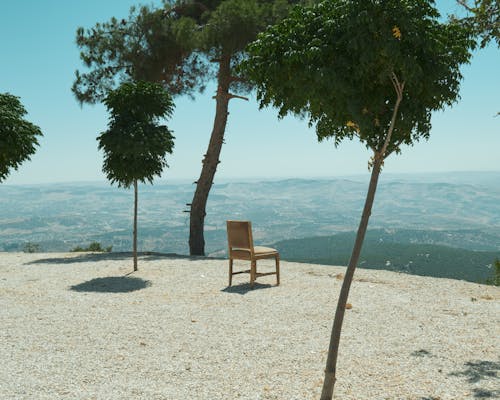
{"type": "Point", "coordinates": [154, 45]}
{"type": "Point", "coordinates": [135, 145]}
{"type": "Point", "coordinates": [336, 62]}
{"type": "Point", "coordinates": [18, 137]}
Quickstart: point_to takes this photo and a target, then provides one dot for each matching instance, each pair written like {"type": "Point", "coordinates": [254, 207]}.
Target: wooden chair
{"type": "Point", "coordinates": [240, 240]}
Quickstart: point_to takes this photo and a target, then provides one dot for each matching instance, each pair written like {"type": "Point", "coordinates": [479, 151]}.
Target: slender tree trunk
{"type": "Point", "coordinates": [210, 160]}
{"type": "Point", "coordinates": [378, 159]}
{"type": "Point", "coordinates": [135, 225]}
{"type": "Point", "coordinates": [331, 363]}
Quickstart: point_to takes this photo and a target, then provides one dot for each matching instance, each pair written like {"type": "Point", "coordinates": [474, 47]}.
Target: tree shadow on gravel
{"type": "Point", "coordinates": [244, 288]}
{"type": "Point", "coordinates": [112, 284]}
{"type": "Point", "coordinates": [114, 256]}
{"type": "Point", "coordinates": [475, 371]}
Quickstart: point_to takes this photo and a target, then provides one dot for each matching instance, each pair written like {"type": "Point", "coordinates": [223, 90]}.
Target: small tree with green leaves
{"type": "Point", "coordinates": [18, 137]}
{"type": "Point", "coordinates": [134, 145]}
{"type": "Point", "coordinates": [366, 69]}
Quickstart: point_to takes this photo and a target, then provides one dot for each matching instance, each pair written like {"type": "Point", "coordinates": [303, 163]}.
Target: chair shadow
{"type": "Point", "coordinates": [114, 256]}
{"type": "Point", "coordinates": [244, 288]}
{"type": "Point", "coordinates": [112, 284]}
{"type": "Point", "coordinates": [476, 371]}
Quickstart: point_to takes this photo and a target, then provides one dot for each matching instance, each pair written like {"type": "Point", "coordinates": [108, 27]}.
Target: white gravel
{"type": "Point", "coordinates": [75, 327]}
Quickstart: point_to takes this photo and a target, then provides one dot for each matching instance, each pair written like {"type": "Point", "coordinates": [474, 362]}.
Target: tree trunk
{"type": "Point", "coordinates": [378, 159]}
{"type": "Point", "coordinates": [210, 160]}
{"type": "Point", "coordinates": [331, 363]}
{"type": "Point", "coordinates": [135, 225]}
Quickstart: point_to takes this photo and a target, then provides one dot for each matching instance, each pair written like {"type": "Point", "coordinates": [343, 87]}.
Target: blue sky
{"type": "Point", "coordinates": [39, 58]}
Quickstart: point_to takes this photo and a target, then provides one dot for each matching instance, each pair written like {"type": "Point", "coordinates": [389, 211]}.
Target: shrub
{"type": "Point", "coordinates": [94, 246]}
{"type": "Point", "coordinates": [31, 248]}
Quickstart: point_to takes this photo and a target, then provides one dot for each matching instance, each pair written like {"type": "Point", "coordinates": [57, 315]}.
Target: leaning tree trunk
{"type": "Point", "coordinates": [331, 363]}
{"type": "Point", "coordinates": [210, 160]}
{"type": "Point", "coordinates": [378, 160]}
{"type": "Point", "coordinates": [135, 225]}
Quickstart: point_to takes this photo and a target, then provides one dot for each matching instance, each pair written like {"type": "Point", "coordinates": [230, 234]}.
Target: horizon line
{"type": "Point", "coordinates": [223, 180]}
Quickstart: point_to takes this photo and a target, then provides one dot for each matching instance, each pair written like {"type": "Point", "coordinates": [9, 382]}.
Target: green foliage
{"type": "Point", "coordinates": [18, 137]}
{"type": "Point", "coordinates": [31, 248]}
{"type": "Point", "coordinates": [169, 45]}
{"type": "Point", "coordinates": [337, 62]}
{"type": "Point", "coordinates": [152, 45]}
{"type": "Point", "coordinates": [413, 258]}
{"type": "Point", "coordinates": [232, 25]}
{"type": "Point", "coordinates": [228, 26]}
{"type": "Point", "coordinates": [483, 19]}
{"type": "Point", "coordinates": [495, 278]}
{"type": "Point", "coordinates": [94, 246]}
{"type": "Point", "coordinates": [135, 145]}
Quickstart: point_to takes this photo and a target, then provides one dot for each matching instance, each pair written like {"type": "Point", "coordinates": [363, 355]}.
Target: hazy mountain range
{"type": "Point", "coordinates": [460, 210]}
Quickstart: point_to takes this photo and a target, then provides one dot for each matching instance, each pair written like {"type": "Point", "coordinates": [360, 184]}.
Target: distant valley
{"type": "Point", "coordinates": [458, 211]}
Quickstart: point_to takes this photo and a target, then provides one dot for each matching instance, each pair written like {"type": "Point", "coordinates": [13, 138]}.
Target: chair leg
{"type": "Point", "coordinates": [253, 272]}
{"type": "Point", "coordinates": [277, 270]}
{"type": "Point", "coordinates": [230, 271]}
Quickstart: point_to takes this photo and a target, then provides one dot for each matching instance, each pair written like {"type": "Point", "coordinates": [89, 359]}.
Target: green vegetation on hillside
{"type": "Point", "coordinates": [378, 253]}
{"type": "Point", "coordinates": [495, 276]}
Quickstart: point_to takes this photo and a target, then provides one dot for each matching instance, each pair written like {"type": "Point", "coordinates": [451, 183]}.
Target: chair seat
{"type": "Point", "coordinates": [258, 251]}
{"type": "Point", "coordinates": [261, 250]}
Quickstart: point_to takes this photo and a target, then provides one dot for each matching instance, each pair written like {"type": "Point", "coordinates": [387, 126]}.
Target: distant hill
{"type": "Point", "coordinates": [457, 210]}
{"type": "Point", "coordinates": [381, 250]}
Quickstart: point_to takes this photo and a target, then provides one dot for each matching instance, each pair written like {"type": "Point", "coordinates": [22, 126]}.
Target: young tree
{"type": "Point", "coordinates": [135, 145]}
{"type": "Point", "coordinates": [18, 137]}
{"type": "Point", "coordinates": [366, 69]}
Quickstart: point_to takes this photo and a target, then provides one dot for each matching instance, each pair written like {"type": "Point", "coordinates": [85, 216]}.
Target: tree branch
{"type": "Point", "coordinates": [464, 4]}
{"type": "Point", "coordinates": [230, 96]}
{"type": "Point", "coordinates": [396, 145]}
{"type": "Point", "coordinates": [398, 87]}
{"type": "Point", "coordinates": [235, 96]}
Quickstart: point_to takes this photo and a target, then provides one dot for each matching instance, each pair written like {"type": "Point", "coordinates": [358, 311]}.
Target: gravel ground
{"type": "Point", "coordinates": [81, 327]}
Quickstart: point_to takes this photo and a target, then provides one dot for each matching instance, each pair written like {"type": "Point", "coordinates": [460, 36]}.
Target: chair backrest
{"type": "Point", "coordinates": [239, 235]}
